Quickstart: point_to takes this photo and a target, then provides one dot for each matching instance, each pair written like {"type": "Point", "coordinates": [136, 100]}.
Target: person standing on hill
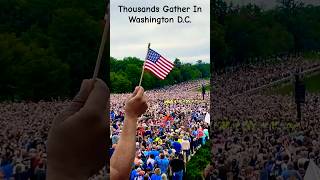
{"type": "Point", "coordinates": [203, 89]}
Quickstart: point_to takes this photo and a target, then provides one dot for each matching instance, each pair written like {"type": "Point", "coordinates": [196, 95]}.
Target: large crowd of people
{"type": "Point", "coordinates": [23, 139]}
{"type": "Point", "coordinates": [23, 136]}
{"type": "Point", "coordinates": [171, 130]}
{"type": "Point", "coordinates": [243, 78]}
{"type": "Point", "coordinates": [168, 130]}
{"type": "Point", "coordinates": [257, 135]}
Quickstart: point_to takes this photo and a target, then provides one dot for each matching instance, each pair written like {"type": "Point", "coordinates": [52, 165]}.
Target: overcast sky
{"type": "Point", "coordinates": [188, 42]}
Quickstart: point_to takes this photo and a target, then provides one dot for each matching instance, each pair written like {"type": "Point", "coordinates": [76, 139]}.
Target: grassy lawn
{"type": "Point", "coordinates": [312, 85]}
{"type": "Point", "coordinates": [312, 56]}
{"type": "Point", "coordinates": [197, 164]}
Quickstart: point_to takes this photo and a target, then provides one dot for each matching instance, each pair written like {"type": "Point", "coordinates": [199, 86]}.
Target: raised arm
{"type": "Point", "coordinates": [123, 157]}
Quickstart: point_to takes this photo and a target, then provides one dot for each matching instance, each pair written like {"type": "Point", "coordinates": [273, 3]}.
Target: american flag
{"type": "Point", "coordinates": [157, 64]}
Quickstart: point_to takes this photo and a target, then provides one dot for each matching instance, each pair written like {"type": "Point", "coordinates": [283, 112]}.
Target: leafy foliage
{"type": "Point", "coordinates": [249, 34]}
{"type": "Point", "coordinates": [197, 164]}
{"type": "Point", "coordinates": [47, 47]}
{"type": "Point", "coordinates": [125, 74]}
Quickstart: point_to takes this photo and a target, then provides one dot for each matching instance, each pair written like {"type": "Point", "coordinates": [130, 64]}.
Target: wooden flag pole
{"type": "Point", "coordinates": [143, 65]}
{"type": "Point", "coordinates": [103, 42]}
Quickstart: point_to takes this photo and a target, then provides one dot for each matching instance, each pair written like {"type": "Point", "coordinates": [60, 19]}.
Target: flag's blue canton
{"type": "Point", "coordinates": [153, 56]}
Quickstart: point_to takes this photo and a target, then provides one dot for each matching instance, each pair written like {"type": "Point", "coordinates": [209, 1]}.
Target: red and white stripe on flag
{"type": "Point", "coordinates": [157, 64]}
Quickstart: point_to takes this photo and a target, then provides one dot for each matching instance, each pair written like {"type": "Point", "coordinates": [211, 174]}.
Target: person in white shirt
{"type": "Point", "coordinates": [151, 160]}
{"type": "Point", "coordinates": [185, 147]}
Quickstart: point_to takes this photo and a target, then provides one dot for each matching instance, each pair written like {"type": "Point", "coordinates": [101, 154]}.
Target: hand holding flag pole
{"type": "Point", "coordinates": [144, 65]}
{"type": "Point", "coordinates": [103, 42]}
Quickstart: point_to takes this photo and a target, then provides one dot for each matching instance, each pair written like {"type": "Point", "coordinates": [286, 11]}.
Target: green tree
{"type": "Point", "coordinates": [55, 38]}
{"type": "Point", "coordinates": [149, 81]}
{"type": "Point", "coordinates": [30, 72]}
{"type": "Point", "coordinates": [177, 63]}
{"type": "Point", "coordinates": [12, 51]}
{"type": "Point", "coordinates": [75, 38]}
{"type": "Point", "coordinates": [219, 48]}
{"type": "Point", "coordinates": [119, 83]}
{"type": "Point", "coordinates": [133, 72]}
{"type": "Point", "coordinates": [129, 68]}
{"type": "Point", "coordinates": [41, 76]}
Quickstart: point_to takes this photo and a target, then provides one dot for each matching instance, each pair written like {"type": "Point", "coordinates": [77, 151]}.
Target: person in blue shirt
{"type": "Point", "coordinates": [146, 153]}
{"type": "Point", "coordinates": [177, 146]}
{"type": "Point", "coordinates": [155, 153]}
{"type": "Point", "coordinates": [134, 173]}
{"type": "Point", "coordinates": [163, 163]}
{"type": "Point", "coordinates": [7, 169]}
{"type": "Point", "coordinates": [264, 174]}
{"type": "Point", "coordinates": [290, 172]}
{"type": "Point", "coordinates": [156, 175]}
{"type": "Point", "coordinates": [193, 115]}
{"type": "Point", "coordinates": [148, 132]}
{"type": "Point", "coordinates": [112, 115]}
{"type": "Point", "coordinates": [150, 140]}
{"type": "Point", "coordinates": [195, 132]}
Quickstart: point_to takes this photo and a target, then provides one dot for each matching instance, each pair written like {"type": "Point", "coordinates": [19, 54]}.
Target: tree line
{"type": "Point", "coordinates": [125, 74]}
{"type": "Point", "coordinates": [47, 47]}
{"type": "Point", "coordinates": [250, 34]}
